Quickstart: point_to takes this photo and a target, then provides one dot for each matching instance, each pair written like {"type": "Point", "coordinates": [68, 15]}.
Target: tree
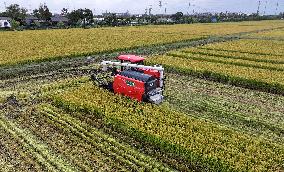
{"type": "Point", "coordinates": [16, 13]}
{"type": "Point", "coordinates": [60, 25]}
{"type": "Point", "coordinates": [177, 17]}
{"type": "Point", "coordinates": [3, 14]}
{"type": "Point", "coordinates": [84, 15]}
{"type": "Point", "coordinates": [88, 16]}
{"type": "Point", "coordinates": [75, 16]}
{"type": "Point", "coordinates": [111, 20]}
{"type": "Point", "coordinates": [15, 24]}
{"type": "Point", "coordinates": [43, 13]}
{"type": "Point", "coordinates": [64, 12]}
{"type": "Point", "coordinates": [281, 15]}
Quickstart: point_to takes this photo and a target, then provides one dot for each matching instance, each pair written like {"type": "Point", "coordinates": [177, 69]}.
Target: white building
{"type": "Point", "coordinates": [5, 24]}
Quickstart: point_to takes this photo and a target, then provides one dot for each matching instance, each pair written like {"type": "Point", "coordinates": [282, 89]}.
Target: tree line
{"type": "Point", "coordinates": [85, 18]}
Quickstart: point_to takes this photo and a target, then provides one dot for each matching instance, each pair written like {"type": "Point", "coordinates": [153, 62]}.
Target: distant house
{"type": "Point", "coordinates": [165, 20]}
{"type": "Point", "coordinates": [31, 19]}
{"type": "Point", "coordinates": [120, 15]}
{"type": "Point", "coordinates": [56, 19]}
{"type": "Point", "coordinates": [5, 22]}
{"type": "Point", "coordinates": [214, 20]}
{"type": "Point", "coordinates": [6, 18]}
{"type": "Point", "coordinates": [99, 19]}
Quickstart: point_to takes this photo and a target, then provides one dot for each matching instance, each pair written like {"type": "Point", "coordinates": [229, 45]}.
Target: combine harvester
{"type": "Point", "coordinates": [131, 78]}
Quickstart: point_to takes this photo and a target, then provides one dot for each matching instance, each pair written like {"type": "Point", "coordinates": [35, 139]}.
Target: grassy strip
{"type": "Point", "coordinates": [207, 146]}
{"type": "Point", "coordinates": [258, 79]}
{"type": "Point", "coordinates": [236, 55]}
{"type": "Point", "coordinates": [138, 158]}
{"type": "Point", "coordinates": [39, 150]}
{"type": "Point", "coordinates": [215, 59]}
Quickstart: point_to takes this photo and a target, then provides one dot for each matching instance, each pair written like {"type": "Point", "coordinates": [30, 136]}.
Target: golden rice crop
{"type": "Point", "coordinates": [258, 47]}
{"type": "Point", "coordinates": [277, 34]}
{"type": "Point", "coordinates": [203, 140]}
{"type": "Point", "coordinates": [195, 54]}
{"type": "Point", "coordinates": [264, 59]}
{"type": "Point", "coordinates": [268, 76]}
{"type": "Point", "coordinates": [17, 47]}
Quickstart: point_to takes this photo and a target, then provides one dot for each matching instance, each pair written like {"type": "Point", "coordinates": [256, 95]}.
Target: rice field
{"type": "Point", "coordinates": [223, 108]}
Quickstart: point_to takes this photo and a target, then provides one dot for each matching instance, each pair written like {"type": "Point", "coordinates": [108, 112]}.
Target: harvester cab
{"type": "Point", "coordinates": [131, 78]}
{"type": "Point", "coordinates": [131, 59]}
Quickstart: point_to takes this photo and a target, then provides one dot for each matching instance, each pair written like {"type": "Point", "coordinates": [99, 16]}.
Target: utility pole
{"type": "Point", "coordinates": [276, 11]}
{"type": "Point", "coordinates": [191, 5]}
{"type": "Point", "coordinates": [259, 3]}
{"type": "Point", "coordinates": [188, 7]}
{"type": "Point", "coordinates": [160, 5]}
{"type": "Point", "coordinates": [146, 11]}
{"type": "Point", "coordinates": [264, 12]}
{"type": "Point", "coordinates": [150, 10]}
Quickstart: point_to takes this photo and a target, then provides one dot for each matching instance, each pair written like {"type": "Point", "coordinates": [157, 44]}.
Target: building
{"type": "Point", "coordinates": [56, 19]}
{"type": "Point", "coordinates": [120, 15]}
{"type": "Point", "coordinates": [5, 22]}
{"type": "Point", "coordinates": [31, 19]}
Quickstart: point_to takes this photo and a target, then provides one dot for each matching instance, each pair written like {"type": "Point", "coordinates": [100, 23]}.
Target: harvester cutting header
{"type": "Point", "coordinates": [130, 77]}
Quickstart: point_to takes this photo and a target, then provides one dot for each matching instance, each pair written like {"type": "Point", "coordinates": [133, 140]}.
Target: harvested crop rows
{"type": "Point", "coordinates": [223, 108]}
{"type": "Point", "coordinates": [48, 129]}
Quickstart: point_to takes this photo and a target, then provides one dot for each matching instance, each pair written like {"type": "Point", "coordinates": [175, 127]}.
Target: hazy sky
{"type": "Point", "coordinates": [139, 6]}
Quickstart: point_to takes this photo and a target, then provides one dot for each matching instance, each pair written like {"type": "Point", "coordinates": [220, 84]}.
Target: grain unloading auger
{"type": "Point", "coordinates": [131, 78]}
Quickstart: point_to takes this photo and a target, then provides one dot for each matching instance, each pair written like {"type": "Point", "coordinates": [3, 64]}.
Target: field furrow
{"type": "Point", "coordinates": [225, 60]}
{"type": "Point", "coordinates": [255, 113]}
{"type": "Point", "coordinates": [77, 150]}
{"type": "Point", "coordinates": [119, 151]}
{"type": "Point", "coordinates": [237, 55]}
{"type": "Point", "coordinates": [256, 47]}
{"type": "Point", "coordinates": [39, 150]}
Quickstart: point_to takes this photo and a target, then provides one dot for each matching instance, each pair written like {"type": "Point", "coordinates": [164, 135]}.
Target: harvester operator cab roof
{"type": "Point", "coordinates": [132, 59]}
